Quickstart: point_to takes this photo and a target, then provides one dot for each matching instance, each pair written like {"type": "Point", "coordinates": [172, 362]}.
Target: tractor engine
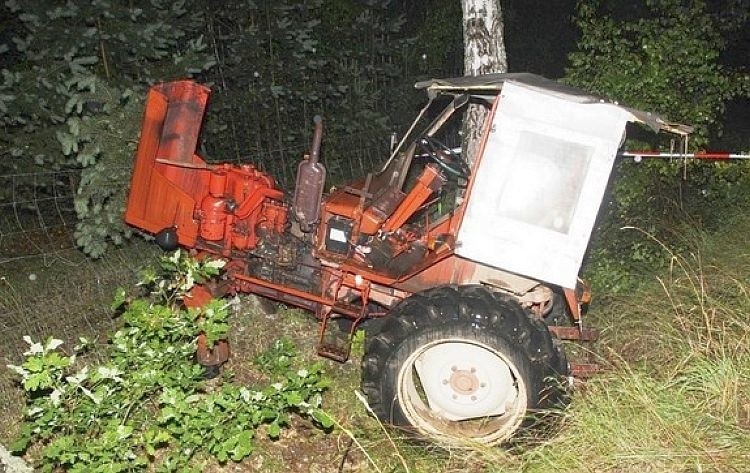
{"type": "Point", "coordinates": [183, 200]}
{"type": "Point", "coordinates": [240, 204]}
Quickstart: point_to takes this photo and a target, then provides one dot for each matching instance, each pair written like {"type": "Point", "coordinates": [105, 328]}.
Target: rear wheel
{"type": "Point", "coordinates": [461, 364]}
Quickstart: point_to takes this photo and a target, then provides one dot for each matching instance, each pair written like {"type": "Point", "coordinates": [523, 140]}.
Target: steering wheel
{"type": "Point", "coordinates": [445, 157]}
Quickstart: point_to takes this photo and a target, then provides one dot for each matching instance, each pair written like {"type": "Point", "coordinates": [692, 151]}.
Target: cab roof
{"type": "Point", "coordinates": [492, 84]}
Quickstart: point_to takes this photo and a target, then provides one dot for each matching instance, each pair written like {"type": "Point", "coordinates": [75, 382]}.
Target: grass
{"type": "Point", "coordinates": [673, 394]}
{"type": "Point", "coordinates": [675, 391]}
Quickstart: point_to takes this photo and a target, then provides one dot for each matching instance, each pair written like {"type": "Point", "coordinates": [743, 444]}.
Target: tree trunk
{"type": "Point", "coordinates": [484, 52]}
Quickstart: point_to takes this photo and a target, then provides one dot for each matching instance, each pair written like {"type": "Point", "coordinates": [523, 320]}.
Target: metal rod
{"type": "Point", "coordinates": [704, 155]}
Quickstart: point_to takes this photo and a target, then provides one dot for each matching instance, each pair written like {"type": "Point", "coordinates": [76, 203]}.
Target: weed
{"type": "Point", "coordinates": [146, 401]}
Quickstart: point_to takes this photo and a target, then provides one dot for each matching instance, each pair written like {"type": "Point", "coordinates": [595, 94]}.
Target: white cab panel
{"type": "Point", "coordinates": [540, 182]}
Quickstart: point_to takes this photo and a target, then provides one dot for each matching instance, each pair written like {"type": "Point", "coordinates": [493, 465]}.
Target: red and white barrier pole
{"type": "Point", "coordinates": [704, 155]}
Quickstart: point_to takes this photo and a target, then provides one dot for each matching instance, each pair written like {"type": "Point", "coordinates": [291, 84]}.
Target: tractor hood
{"type": "Point", "coordinates": [541, 174]}
{"type": "Point", "coordinates": [493, 83]}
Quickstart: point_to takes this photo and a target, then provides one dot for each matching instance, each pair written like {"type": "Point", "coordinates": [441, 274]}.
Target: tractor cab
{"type": "Point", "coordinates": [530, 194]}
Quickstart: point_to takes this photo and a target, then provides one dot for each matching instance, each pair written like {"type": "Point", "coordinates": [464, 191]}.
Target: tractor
{"type": "Point", "coordinates": [463, 269]}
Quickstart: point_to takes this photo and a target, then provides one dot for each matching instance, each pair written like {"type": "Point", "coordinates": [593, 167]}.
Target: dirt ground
{"type": "Point", "coordinates": [257, 323]}
{"type": "Point", "coordinates": [359, 443]}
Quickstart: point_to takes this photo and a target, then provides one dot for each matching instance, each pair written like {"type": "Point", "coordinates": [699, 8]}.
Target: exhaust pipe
{"type": "Point", "coordinates": [311, 177]}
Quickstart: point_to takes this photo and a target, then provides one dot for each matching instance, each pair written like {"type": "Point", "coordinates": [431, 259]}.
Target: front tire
{"type": "Point", "coordinates": [462, 365]}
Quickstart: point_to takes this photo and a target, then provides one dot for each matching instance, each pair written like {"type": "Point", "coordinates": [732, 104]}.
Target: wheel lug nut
{"type": "Point", "coordinates": [445, 381]}
{"type": "Point", "coordinates": [473, 398]}
{"type": "Point", "coordinates": [455, 396]}
{"type": "Point", "coordinates": [454, 368]}
{"type": "Point", "coordinates": [482, 385]}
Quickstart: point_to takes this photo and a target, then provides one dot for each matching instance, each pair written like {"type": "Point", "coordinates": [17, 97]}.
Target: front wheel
{"type": "Point", "coordinates": [461, 364]}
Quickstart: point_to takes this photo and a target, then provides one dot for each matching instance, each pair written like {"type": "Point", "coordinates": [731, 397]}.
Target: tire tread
{"type": "Point", "coordinates": [443, 307]}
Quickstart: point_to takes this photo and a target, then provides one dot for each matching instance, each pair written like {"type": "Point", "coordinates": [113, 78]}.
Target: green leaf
{"type": "Point", "coordinates": [274, 430]}
{"type": "Point", "coordinates": [20, 445]}
{"type": "Point", "coordinates": [323, 418]}
{"type": "Point", "coordinates": [244, 446]}
{"type": "Point", "coordinates": [119, 299]}
{"type": "Point", "coordinates": [294, 398]}
{"type": "Point", "coordinates": [86, 60]}
{"type": "Point", "coordinates": [34, 364]}
{"type": "Point", "coordinates": [36, 381]}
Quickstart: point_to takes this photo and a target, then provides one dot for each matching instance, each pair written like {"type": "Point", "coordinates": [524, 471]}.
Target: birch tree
{"type": "Point", "coordinates": [484, 52]}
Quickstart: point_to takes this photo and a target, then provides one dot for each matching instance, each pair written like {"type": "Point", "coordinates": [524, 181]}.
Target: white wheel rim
{"type": "Point", "coordinates": [460, 390]}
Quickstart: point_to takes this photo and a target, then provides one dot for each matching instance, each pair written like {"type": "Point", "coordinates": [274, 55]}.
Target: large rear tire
{"type": "Point", "coordinates": [457, 365]}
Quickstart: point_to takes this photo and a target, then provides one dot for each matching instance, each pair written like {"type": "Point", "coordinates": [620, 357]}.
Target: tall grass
{"type": "Point", "coordinates": [674, 391]}
{"type": "Point", "coordinates": [674, 394]}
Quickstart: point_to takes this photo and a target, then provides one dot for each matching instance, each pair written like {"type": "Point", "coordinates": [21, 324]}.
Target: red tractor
{"type": "Point", "coordinates": [465, 269]}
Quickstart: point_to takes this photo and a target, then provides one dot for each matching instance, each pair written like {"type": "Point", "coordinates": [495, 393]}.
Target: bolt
{"type": "Point", "coordinates": [473, 398]}
{"type": "Point", "coordinates": [445, 381]}
{"type": "Point", "coordinates": [454, 368]}
{"type": "Point", "coordinates": [473, 370]}
{"type": "Point", "coordinates": [455, 396]}
{"type": "Point", "coordinates": [482, 385]}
